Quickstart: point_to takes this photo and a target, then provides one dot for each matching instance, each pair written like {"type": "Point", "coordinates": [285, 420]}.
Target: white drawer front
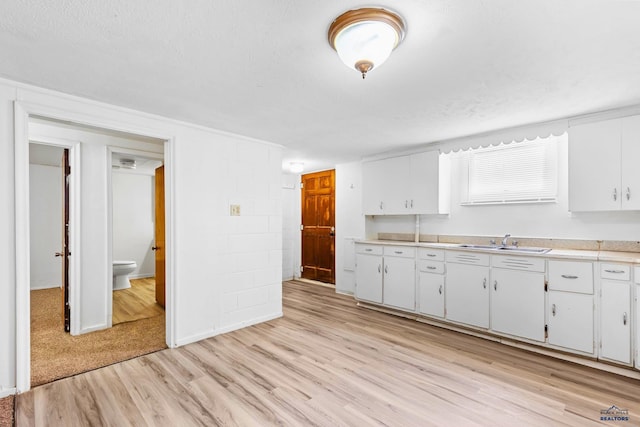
{"type": "Point", "coordinates": [615, 272]}
{"type": "Point", "coordinates": [473, 258]}
{"type": "Point", "coordinates": [431, 254]}
{"type": "Point", "coordinates": [518, 263]}
{"type": "Point", "coordinates": [368, 249]}
{"type": "Point", "coordinates": [400, 251]}
{"type": "Point", "coordinates": [571, 276]}
{"type": "Point", "coordinates": [431, 266]}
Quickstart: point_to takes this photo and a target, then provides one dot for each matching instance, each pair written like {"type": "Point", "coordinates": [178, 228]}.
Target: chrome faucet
{"type": "Point", "coordinates": [506, 238]}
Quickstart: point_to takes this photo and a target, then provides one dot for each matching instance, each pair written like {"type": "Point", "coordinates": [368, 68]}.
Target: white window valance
{"type": "Point", "coordinates": [505, 136]}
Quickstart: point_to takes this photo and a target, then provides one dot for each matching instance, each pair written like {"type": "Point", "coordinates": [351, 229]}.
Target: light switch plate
{"type": "Point", "coordinates": [235, 210]}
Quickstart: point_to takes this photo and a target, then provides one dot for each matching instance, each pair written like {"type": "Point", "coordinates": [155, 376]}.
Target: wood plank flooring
{"type": "Point", "coordinates": [330, 363]}
{"type": "Point", "coordinates": [137, 302]}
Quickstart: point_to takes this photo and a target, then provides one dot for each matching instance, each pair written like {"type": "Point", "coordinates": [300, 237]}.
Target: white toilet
{"type": "Point", "coordinates": [121, 271]}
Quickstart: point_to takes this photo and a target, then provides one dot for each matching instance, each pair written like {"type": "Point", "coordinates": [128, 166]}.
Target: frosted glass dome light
{"type": "Point", "coordinates": [364, 38]}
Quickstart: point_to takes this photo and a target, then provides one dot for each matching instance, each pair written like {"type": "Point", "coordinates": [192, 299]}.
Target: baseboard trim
{"type": "Point", "coordinates": [230, 328]}
{"type": "Point", "coordinates": [7, 392]}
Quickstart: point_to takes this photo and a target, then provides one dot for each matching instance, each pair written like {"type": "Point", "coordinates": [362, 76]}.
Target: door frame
{"type": "Point", "coordinates": [110, 152]}
{"type": "Point", "coordinates": [22, 111]}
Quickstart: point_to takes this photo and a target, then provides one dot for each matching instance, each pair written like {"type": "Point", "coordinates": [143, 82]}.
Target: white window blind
{"type": "Point", "coordinates": [518, 172]}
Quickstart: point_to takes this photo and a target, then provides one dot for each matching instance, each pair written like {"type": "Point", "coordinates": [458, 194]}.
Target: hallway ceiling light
{"type": "Point", "coordinates": [364, 38]}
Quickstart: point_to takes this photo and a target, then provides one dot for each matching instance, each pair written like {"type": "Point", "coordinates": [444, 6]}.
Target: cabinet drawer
{"type": "Point", "coordinates": [400, 251]}
{"type": "Point", "coordinates": [518, 263]}
{"type": "Point", "coordinates": [571, 276]}
{"type": "Point", "coordinates": [431, 266]}
{"type": "Point", "coordinates": [431, 254]}
{"type": "Point", "coordinates": [473, 258]}
{"type": "Point", "coordinates": [615, 272]}
{"type": "Point", "coordinates": [368, 249]}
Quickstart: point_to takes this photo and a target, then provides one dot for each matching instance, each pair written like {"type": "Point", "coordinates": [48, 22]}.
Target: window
{"type": "Point", "coordinates": [516, 173]}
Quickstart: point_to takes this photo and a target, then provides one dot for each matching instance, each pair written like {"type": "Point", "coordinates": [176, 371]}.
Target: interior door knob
{"type": "Point", "coordinates": [155, 248]}
{"type": "Point", "coordinates": [59, 254]}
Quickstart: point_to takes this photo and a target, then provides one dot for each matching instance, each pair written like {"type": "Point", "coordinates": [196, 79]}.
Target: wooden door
{"type": "Point", "coordinates": [159, 247]}
{"type": "Point", "coordinates": [318, 226]}
{"type": "Point", "coordinates": [66, 172]}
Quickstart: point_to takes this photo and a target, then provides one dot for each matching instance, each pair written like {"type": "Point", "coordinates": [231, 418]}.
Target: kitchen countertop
{"type": "Point", "coordinates": [610, 256]}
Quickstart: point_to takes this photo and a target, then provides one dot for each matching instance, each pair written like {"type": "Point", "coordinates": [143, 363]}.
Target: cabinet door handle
{"type": "Point", "coordinates": [386, 269]}
{"type": "Point", "coordinates": [615, 194]}
{"type": "Point", "coordinates": [614, 271]}
{"type": "Point", "coordinates": [412, 202]}
{"type": "Point", "coordinates": [406, 204]}
{"type": "Point", "coordinates": [440, 290]}
{"type": "Point", "coordinates": [379, 268]}
{"type": "Point", "coordinates": [628, 193]}
{"type": "Point", "coordinates": [430, 267]}
{"type": "Point", "coordinates": [431, 255]}
{"type": "Point", "coordinates": [553, 309]}
{"type": "Point", "coordinates": [368, 250]}
{"type": "Point", "coordinates": [495, 285]}
{"type": "Point", "coordinates": [399, 252]}
{"type": "Point", "coordinates": [568, 276]}
{"type": "Point", "coordinates": [624, 318]}
{"type": "Point", "coordinates": [381, 205]}
{"type": "Point", "coordinates": [484, 283]}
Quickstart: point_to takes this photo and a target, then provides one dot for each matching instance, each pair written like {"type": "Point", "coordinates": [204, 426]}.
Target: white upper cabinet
{"type": "Point", "coordinates": [402, 185]}
{"type": "Point", "coordinates": [602, 174]}
{"type": "Point", "coordinates": [373, 178]}
{"type": "Point", "coordinates": [630, 188]}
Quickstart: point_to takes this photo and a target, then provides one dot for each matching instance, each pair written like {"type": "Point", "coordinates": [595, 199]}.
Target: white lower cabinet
{"type": "Point", "coordinates": [571, 321]}
{"type": "Point", "coordinates": [431, 281]}
{"type": "Point", "coordinates": [637, 276]}
{"type": "Point", "coordinates": [468, 288]}
{"type": "Point", "coordinates": [570, 310]}
{"type": "Point", "coordinates": [615, 321]}
{"type": "Point", "coordinates": [517, 303]}
{"type": "Point", "coordinates": [369, 273]}
{"type": "Point", "coordinates": [386, 275]}
{"type": "Point", "coordinates": [399, 283]}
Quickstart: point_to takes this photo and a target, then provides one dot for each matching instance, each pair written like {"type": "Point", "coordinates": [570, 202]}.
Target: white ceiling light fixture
{"type": "Point", "coordinates": [364, 38]}
{"type": "Point", "coordinates": [296, 167]}
{"type": "Point", "coordinates": [128, 163]}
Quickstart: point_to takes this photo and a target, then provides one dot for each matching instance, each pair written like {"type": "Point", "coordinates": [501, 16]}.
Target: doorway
{"type": "Point", "coordinates": [137, 235]}
{"type": "Point", "coordinates": [90, 164]}
{"type": "Point", "coordinates": [318, 226]}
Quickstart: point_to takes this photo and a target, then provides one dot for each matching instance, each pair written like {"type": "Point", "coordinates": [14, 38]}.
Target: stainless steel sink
{"type": "Point", "coordinates": [529, 250]}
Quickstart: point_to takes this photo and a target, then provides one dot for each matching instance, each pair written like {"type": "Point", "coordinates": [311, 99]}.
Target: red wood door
{"type": "Point", "coordinates": [318, 226]}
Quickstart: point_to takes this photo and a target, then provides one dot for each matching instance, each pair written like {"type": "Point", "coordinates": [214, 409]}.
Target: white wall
{"type": "Point", "coordinates": [45, 199]}
{"type": "Point", "coordinates": [133, 220]}
{"type": "Point", "coordinates": [350, 222]}
{"type": "Point", "coordinates": [544, 220]}
{"type": "Point", "coordinates": [226, 271]}
{"type": "Point", "coordinates": [291, 220]}
{"type": "Point", "coordinates": [7, 243]}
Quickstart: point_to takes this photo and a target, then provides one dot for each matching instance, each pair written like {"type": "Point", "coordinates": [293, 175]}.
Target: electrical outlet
{"type": "Point", "coordinates": [235, 210]}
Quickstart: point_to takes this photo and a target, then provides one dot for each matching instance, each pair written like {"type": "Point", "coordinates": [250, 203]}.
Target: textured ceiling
{"type": "Point", "coordinates": [264, 68]}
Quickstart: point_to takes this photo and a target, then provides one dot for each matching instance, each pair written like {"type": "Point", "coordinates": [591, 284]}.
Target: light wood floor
{"type": "Point", "coordinates": [330, 363]}
{"type": "Point", "coordinates": [137, 302]}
